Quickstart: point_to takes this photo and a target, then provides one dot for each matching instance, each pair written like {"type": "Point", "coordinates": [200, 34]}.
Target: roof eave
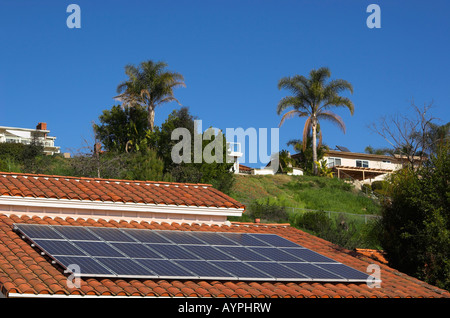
{"type": "Point", "coordinates": [119, 206]}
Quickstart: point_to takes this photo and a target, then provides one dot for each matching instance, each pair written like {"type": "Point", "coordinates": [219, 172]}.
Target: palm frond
{"type": "Point", "coordinates": [291, 114]}
{"type": "Point", "coordinates": [332, 117]}
{"type": "Point", "coordinates": [339, 85]}
{"type": "Point", "coordinates": [286, 102]}
{"type": "Point", "coordinates": [320, 75]}
{"type": "Point", "coordinates": [339, 101]}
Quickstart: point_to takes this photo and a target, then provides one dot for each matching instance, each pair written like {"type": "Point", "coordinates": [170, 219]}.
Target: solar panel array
{"type": "Point", "coordinates": [159, 254]}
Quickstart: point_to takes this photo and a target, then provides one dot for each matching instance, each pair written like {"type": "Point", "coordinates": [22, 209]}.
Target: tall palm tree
{"type": "Point", "coordinates": [312, 98]}
{"type": "Point", "coordinates": [149, 85]}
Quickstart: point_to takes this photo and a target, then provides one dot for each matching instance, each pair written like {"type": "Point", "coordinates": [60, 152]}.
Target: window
{"type": "Point", "coordinates": [334, 162]}
{"type": "Point", "coordinates": [386, 161]}
{"type": "Point", "coordinates": [362, 163]}
{"type": "Point", "coordinates": [12, 140]}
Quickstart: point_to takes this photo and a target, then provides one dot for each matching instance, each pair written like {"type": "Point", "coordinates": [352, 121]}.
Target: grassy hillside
{"type": "Point", "coordinates": [307, 192]}
{"type": "Point", "coordinates": [267, 196]}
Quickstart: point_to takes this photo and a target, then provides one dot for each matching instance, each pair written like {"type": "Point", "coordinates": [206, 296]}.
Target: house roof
{"type": "Point", "coordinates": [25, 272]}
{"type": "Point", "coordinates": [339, 153]}
{"type": "Point", "coordinates": [112, 190]}
{"type": "Point", "coordinates": [244, 168]}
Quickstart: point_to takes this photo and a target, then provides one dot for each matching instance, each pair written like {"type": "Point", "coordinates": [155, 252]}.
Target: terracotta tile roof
{"type": "Point", "coordinates": [243, 168]}
{"type": "Point", "coordinates": [111, 190]}
{"type": "Point", "coordinates": [23, 270]}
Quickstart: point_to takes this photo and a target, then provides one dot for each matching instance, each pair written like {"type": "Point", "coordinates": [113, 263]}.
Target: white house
{"type": "Point", "coordinates": [27, 135]}
{"type": "Point", "coordinates": [234, 150]}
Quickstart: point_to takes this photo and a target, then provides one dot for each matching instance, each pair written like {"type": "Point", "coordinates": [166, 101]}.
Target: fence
{"type": "Point", "coordinates": [333, 214]}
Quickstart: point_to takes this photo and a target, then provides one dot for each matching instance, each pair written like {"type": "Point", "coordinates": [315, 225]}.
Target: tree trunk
{"type": "Point", "coordinates": [151, 116]}
{"type": "Point", "coordinates": [314, 144]}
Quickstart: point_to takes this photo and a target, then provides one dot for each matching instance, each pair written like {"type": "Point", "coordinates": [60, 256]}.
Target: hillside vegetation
{"type": "Point", "coordinates": [303, 192]}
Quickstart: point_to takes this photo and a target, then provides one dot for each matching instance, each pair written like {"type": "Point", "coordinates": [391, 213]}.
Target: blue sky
{"type": "Point", "coordinates": [231, 53]}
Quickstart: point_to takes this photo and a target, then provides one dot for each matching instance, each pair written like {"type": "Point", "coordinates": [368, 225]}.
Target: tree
{"type": "Point", "coordinates": [216, 173]}
{"type": "Point", "coordinates": [377, 151]}
{"type": "Point", "coordinates": [161, 137]}
{"type": "Point", "coordinates": [312, 98]}
{"type": "Point", "coordinates": [122, 129]}
{"type": "Point", "coordinates": [410, 134]}
{"type": "Point", "coordinates": [304, 156]}
{"type": "Point", "coordinates": [286, 162]}
{"type": "Point", "coordinates": [149, 85]}
{"type": "Point", "coordinates": [416, 220]}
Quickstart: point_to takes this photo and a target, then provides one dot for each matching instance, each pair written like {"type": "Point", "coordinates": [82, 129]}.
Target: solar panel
{"type": "Point", "coordinates": [125, 267]}
{"type": "Point", "coordinates": [76, 233]}
{"type": "Point", "coordinates": [142, 253]}
{"type": "Point", "coordinates": [205, 269]}
{"type": "Point", "coordinates": [135, 250]}
{"type": "Point", "coordinates": [58, 247]}
{"type": "Point", "coordinates": [165, 268]}
{"type": "Point", "coordinates": [86, 264]}
{"type": "Point", "coordinates": [342, 148]}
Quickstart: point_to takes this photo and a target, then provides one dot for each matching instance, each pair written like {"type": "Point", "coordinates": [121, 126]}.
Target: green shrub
{"type": "Point", "coordinates": [338, 229]}
{"type": "Point", "coordinates": [268, 212]}
{"type": "Point", "coordinates": [416, 221]}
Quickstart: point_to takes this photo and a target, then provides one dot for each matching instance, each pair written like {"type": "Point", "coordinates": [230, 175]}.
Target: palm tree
{"type": "Point", "coordinates": [312, 98]}
{"type": "Point", "coordinates": [149, 85]}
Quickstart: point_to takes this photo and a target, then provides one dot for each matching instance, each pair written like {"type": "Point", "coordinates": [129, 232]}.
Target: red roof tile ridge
{"type": "Point", "coordinates": [261, 224]}
{"type": "Point", "coordinates": [2, 173]}
{"type": "Point", "coordinates": [377, 255]}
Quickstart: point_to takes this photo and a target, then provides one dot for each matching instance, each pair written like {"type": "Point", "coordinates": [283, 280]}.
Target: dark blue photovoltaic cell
{"type": "Point", "coordinates": [207, 252]}
{"type": "Point", "coordinates": [244, 239]}
{"type": "Point", "coordinates": [111, 234]}
{"type": "Point", "coordinates": [171, 251]}
{"type": "Point", "coordinates": [55, 247]}
{"type": "Point", "coordinates": [307, 255]}
{"type": "Point", "coordinates": [97, 249]}
{"type": "Point", "coordinates": [204, 269]}
{"type": "Point", "coordinates": [35, 231]}
{"type": "Point", "coordinates": [274, 240]}
{"type": "Point", "coordinates": [180, 237]}
{"type": "Point", "coordinates": [125, 267]}
{"type": "Point", "coordinates": [275, 254]}
{"type": "Point", "coordinates": [135, 250]}
{"type": "Point", "coordinates": [276, 270]}
{"type": "Point", "coordinates": [165, 268]}
{"type": "Point", "coordinates": [241, 269]}
{"type": "Point", "coordinates": [76, 233]}
{"type": "Point", "coordinates": [243, 253]}
{"type": "Point", "coordinates": [312, 271]}
{"type": "Point", "coordinates": [344, 271]}
{"type": "Point", "coordinates": [87, 265]}
{"type": "Point", "coordinates": [213, 238]}
{"type": "Point", "coordinates": [146, 236]}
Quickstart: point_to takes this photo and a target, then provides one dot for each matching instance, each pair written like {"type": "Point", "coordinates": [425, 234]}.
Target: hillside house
{"type": "Point", "coordinates": [27, 136]}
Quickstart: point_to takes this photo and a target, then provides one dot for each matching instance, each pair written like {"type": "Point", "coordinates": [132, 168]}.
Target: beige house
{"type": "Point", "coordinates": [363, 167]}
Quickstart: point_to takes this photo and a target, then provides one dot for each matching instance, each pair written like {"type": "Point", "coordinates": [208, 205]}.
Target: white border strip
{"type": "Point", "coordinates": [119, 206]}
